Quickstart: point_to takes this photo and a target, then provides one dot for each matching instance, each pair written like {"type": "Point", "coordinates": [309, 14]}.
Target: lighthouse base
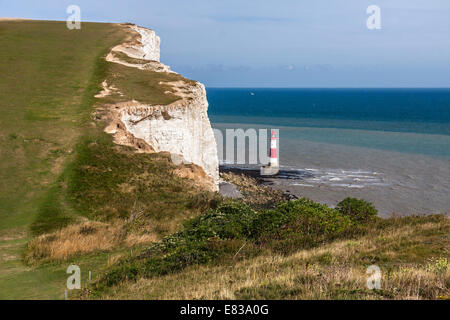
{"type": "Point", "coordinates": [269, 170]}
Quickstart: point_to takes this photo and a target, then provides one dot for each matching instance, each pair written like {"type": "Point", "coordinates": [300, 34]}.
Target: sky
{"type": "Point", "coordinates": [282, 43]}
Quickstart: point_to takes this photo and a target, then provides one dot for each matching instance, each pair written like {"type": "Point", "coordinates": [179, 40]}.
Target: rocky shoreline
{"type": "Point", "coordinates": [251, 187]}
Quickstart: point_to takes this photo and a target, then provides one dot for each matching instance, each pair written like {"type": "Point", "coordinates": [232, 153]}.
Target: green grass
{"type": "Point", "coordinates": [142, 85]}
{"type": "Point", "coordinates": [411, 252]}
{"type": "Point", "coordinates": [57, 166]}
{"type": "Point", "coordinates": [105, 182]}
{"type": "Point", "coordinates": [49, 77]}
{"type": "Point", "coordinates": [235, 231]}
{"type": "Point", "coordinates": [122, 56]}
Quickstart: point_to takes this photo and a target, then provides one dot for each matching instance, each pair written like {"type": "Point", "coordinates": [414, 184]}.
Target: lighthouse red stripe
{"type": "Point", "coordinates": [273, 152]}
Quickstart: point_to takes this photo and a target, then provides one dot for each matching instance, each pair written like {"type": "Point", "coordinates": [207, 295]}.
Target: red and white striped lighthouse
{"type": "Point", "coordinates": [273, 150]}
{"type": "Point", "coordinates": [273, 167]}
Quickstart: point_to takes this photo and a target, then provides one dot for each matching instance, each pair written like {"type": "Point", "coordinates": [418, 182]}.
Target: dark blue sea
{"type": "Point", "coordinates": [390, 146]}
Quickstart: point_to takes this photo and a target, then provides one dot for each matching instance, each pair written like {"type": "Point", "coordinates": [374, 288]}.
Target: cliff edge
{"type": "Point", "coordinates": [180, 127]}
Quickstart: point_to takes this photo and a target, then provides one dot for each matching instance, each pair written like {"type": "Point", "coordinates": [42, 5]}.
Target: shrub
{"type": "Point", "coordinates": [234, 229]}
{"type": "Point", "coordinates": [205, 239]}
{"type": "Point", "coordinates": [300, 223]}
{"type": "Point", "coordinates": [231, 220]}
{"type": "Point", "coordinates": [358, 210]}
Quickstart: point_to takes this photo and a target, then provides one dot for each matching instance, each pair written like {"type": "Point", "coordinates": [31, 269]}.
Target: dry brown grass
{"type": "Point", "coordinates": [198, 176]}
{"type": "Point", "coordinates": [136, 239]}
{"type": "Point", "coordinates": [85, 237]}
{"type": "Point", "coordinates": [333, 271]}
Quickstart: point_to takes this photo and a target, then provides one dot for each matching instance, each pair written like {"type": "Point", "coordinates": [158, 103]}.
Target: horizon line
{"type": "Point", "coordinates": [365, 88]}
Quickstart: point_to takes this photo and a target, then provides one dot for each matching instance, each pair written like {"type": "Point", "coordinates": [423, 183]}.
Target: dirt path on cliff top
{"type": "Point", "coordinates": [48, 73]}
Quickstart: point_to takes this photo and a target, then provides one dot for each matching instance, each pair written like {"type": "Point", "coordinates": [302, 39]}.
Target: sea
{"type": "Point", "coordinates": [388, 146]}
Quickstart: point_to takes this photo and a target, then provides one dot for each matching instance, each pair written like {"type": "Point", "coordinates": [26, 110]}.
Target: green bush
{"type": "Point", "coordinates": [299, 224]}
{"type": "Point", "coordinates": [358, 210]}
{"type": "Point", "coordinates": [231, 220]}
{"type": "Point", "coordinates": [234, 230]}
{"type": "Point", "coordinates": [205, 239]}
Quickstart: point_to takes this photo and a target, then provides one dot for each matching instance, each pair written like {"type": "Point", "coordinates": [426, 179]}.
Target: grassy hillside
{"type": "Point", "coordinates": [69, 195]}
{"type": "Point", "coordinates": [49, 75]}
{"type": "Point", "coordinates": [60, 170]}
{"type": "Point", "coordinates": [412, 254]}
{"type": "Point", "coordinates": [297, 250]}
{"type": "Point", "coordinates": [48, 78]}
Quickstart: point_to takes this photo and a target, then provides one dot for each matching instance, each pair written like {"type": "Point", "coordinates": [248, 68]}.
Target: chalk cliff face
{"type": "Point", "coordinates": [150, 44]}
{"type": "Point", "coordinates": [181, 128]}
{"type": "Point", "coordinates": [147, 48]}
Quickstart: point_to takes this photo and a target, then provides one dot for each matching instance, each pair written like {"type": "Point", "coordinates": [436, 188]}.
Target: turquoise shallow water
{"type": "Point", "coordinates": [363, 115]}
{"type": "Point", "coordinates": [391, 147]}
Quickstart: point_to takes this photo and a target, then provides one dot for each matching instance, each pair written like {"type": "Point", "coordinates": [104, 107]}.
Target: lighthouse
{"type": "Point", "coordinates": [273, 167]}
{"type": "Point", "coordinates": [273, 150]}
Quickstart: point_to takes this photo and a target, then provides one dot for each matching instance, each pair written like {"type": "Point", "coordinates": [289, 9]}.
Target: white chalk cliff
{"type": "Point", "coordinates": [181, 128]}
